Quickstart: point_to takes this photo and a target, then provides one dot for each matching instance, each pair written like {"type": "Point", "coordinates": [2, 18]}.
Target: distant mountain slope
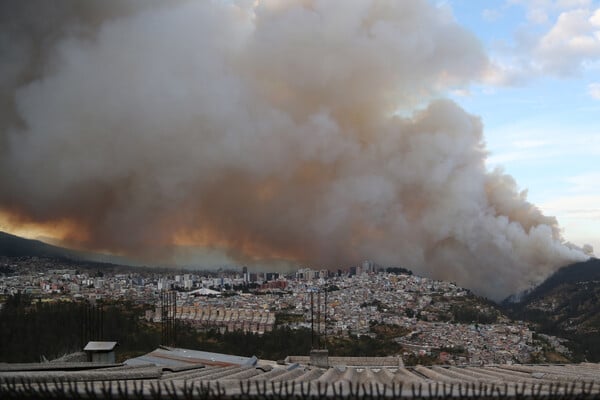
{"type": "Point", "coordinates": [15, 246]}
{"type": "Point", "coordinates": [585, 271]}
{"type": "Point", "coordinates": [567, 304]}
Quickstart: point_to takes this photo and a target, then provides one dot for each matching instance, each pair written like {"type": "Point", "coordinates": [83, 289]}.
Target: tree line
{"type": "Point", "coordinates": [31, 330]}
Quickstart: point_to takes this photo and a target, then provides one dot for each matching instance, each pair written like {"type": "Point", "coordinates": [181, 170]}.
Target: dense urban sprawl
{"type": "Point", "coordinates": [429, 317]}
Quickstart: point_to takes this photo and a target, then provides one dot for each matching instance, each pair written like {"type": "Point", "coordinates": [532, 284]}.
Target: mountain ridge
{"type": "Point", "coordinates": [17, 246]}
{"type": "Point", "coordinates": [566, 304]}
{"type": "Point", "coordinates": [582, 271]}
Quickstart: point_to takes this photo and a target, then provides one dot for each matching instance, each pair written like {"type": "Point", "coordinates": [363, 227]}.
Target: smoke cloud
{"type": "Point", "coordinates": [292, 131]}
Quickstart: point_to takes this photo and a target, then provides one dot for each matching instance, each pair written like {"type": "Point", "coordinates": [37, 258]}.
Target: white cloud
{"type": "Point", "coordinates": [541, 11]}
{"type": "Point", "coordinates": [568, 4]}
{"type": "Point", "coordinates": [537, 10]}
{"type": "Point", "coordinates": [573, 40]}
{"type": "Point", "coordinates": [594, 90]}
{"type": "Point", "coordinates": [595, 19]}
{"type": "Point", "coordinates": [568, 43]}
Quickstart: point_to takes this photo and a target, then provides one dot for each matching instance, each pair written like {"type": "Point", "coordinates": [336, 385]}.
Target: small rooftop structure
{"type": "Point", "coordinates": [101, 352]}
{"type": "Point", "coordinates": [319, 358]}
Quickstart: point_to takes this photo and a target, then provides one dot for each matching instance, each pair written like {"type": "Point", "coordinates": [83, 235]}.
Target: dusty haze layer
{"type": "Point", "coordinates": [308, 132]}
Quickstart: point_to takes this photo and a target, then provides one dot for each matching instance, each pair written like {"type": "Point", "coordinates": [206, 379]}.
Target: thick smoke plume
{"type": "Point", "coordinates": [301, 131]}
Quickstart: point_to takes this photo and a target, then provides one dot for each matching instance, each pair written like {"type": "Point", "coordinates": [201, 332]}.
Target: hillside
{"type": "Point", "coordinates": [15, 246]}
{"type": "Point", "coordinates": [587, 271]}
{"type": "Point", "coordinates": [567, 304]}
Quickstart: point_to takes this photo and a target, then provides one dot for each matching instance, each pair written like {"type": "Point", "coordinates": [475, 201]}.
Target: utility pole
{"type": "Point", "coordinates": [319, 319]}
{"type": "Point", "coordinates": [312, 322]}
{"type": "Point", "coordinates": [325, 338]}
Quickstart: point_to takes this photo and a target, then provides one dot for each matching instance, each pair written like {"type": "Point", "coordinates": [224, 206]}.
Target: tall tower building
{"type": "Point", "coordinates": [245, 274]}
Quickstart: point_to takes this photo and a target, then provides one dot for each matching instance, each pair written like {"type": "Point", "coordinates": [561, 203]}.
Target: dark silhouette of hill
{"type": "Point", "coordinates": [585, 271]}
{"type": "Point", "coordinates": [15, 246]}
{"type": "Point", "coordinates": [567, 304]}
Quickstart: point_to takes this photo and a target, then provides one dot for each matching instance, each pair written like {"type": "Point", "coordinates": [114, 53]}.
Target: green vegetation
{"type": "Point", "coordinates": [567, 305]}
{"type": "Point", "coordinates": [413, 359]}
{"type": "Point", "coordinates": [467, 314]}
{"type": "Point", "coordinates": [362, 346]}
{"type": "Point", "coordinates": [381, 307]}
{"type": "Point", "coordinates": [30, 329]}
{"type": "Point", "coordinates": [388, 331]}
{"type": "Point", "coordinates": [284, 341]}
{"type": "Point", "coordinates": [282, 318]}
{"type": "Point", "coordinates": [547, 352]}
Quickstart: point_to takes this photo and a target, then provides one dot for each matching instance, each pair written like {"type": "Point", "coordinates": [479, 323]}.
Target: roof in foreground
{"type": "Point", "coordinates": [269, 379]}
{"type": "Point", "coordinates": [176, 357]}
{"type": "Point", "coordinates": [372, 362]}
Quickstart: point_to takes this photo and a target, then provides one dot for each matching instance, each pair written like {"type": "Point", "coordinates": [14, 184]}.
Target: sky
{"type": "Point", "coordinates": [455, 138]}
{"type": "Point", "coordinates": [541, 108]}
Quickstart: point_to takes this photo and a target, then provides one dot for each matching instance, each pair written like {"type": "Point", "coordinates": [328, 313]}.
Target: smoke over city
{"type": "Point", "coordinates": [275, 131]}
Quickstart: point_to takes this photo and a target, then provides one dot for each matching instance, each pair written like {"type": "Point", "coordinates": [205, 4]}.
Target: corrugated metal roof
{"type": "Point", "coordinates": [100, 346]}
{"type": "Point", "coordinates": [141, 372]}
{"type": "Point", "coordinates": [352, 361]}
{"type": "Point", "coordinates": [182, 371]}
{"type": "Point", "coordinates": [55, 366]}
{"type": "Point", "coordinates": [481, 382]}
{"type": "Point", "coordinates": [171, 356]}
